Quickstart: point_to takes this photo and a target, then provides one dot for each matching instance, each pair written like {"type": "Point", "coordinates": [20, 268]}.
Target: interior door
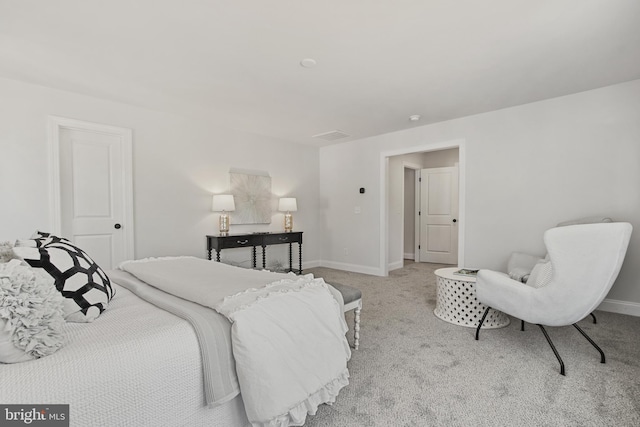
{"type": "Point", "coordinates": [439, 215]}
{"type": "Point", "coordinates": [93, 194]}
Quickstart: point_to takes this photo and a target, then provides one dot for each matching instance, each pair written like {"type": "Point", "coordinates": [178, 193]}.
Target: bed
{"type": "Point", "coordinates": [137, 364]}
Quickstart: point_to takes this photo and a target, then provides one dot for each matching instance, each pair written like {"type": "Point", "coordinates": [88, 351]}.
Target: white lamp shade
{"type": "Point", "coordinates": [287, 204]}
{"type": "Point", "coordinates": [223, 202]}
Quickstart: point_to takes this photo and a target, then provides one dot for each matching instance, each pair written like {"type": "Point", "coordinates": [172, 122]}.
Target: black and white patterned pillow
{"type": "Point", "coordinates": [84, 285]}
{"type": "Point", "coordinates": [41, 235]}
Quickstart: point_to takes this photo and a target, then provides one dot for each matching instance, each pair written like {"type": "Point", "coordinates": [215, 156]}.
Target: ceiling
{"type": "Point", "coordinates": [237, 63]}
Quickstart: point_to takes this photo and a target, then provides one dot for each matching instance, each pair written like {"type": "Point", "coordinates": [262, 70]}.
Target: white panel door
{"type": "Point", "coordinates": [439, 215]}
{"type": "Point", "coordinates": [93, 194]}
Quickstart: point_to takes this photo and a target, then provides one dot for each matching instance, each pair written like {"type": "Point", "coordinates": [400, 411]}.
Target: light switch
{"type": "Point", "coordinates": [357, 210]}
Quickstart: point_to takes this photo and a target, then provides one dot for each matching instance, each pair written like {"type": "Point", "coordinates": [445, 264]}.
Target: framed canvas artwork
{"type": "Point", "coordinates": [252, 195]}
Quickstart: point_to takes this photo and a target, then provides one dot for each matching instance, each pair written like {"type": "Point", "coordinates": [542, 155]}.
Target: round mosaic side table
{"type": "Point", "coordinates": [457, 303]}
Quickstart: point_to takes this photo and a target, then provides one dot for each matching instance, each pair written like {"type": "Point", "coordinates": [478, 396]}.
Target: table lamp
{"type": "Point", "coordinates": [223, 203]}
{"type": "Point", "coordinates": [288, 205]}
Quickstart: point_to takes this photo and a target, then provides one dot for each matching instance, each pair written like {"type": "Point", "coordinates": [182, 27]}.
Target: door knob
{"type": "Point", "coordinates": [117, 226]}
{"type": "Point", "coordinates": [455, 220]}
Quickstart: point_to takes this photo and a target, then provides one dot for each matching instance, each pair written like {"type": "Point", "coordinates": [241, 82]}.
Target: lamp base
{"type": "Point", "coordinates": [224, 223]}
{"type": "Point", "coordinates": [288, 222]}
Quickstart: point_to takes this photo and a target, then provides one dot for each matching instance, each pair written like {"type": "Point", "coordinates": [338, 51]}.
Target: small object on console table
{"type": "Point", "coordinates": [253, 240]}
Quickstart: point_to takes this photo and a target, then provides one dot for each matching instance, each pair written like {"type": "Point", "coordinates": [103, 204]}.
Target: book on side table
{"type": "Point", "coordinates": [466, 272]}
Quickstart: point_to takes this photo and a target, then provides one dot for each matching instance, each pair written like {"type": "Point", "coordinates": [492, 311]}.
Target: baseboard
{"type": "Point", "coordinates": [621, 307]}
{"type": "Point", "coordinates": [396, 265]}
{"type": "Point", "coordinates": [373, 271]}
{"type": "Point", "coordinates": [311, 264]}
{"type": "Point", "coordinates": [410, 256]}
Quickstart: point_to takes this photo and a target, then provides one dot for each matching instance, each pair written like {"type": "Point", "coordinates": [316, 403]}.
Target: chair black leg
{"type": "Point", "coordinates": [522, 325]}
{"type": "Point", "coordinates": [553, 347]}
{"type": "Point", "coordinates": [602, 360]}
{"type": "Point", "coordinates": [594, 318]}
{"type": "Point", "coordinates": [484, 316]}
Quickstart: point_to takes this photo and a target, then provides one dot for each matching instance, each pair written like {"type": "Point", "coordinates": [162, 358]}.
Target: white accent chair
{"type": "Point", "coordinates": [521, 264]}
{"type": "Point", "coordinates": [584, 262]}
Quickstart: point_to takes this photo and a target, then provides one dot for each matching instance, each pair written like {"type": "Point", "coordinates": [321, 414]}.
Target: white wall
{"type": "Point", "coordinates": [527, 168]}
{"type": "Point", "coordinates": [440, 158]}
{"type": "Point", "coordinates": [178, 164]}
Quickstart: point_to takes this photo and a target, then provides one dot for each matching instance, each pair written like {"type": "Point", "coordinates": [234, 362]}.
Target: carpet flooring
{"type": "Point", "coordinates": [413, 369]}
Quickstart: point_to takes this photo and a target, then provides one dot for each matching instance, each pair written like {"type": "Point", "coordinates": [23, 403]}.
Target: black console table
{"type": "Point", "coordinates": [254, 240]}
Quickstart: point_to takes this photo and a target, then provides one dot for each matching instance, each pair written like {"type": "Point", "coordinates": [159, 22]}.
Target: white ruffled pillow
{"type": "Point", "coordinates": [6, 252]}
{"type": "Point", "coordinates": [31, 314]}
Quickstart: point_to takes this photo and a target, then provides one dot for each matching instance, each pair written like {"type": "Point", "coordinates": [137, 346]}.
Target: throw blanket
{"type": "Point", "coordinates": [212, 330]}
{"type": "Point", "coordinates": [288, 332]}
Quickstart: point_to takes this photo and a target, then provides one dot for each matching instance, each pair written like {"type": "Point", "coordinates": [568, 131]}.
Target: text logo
{"type": "Point", "coordinates": [34, 415]}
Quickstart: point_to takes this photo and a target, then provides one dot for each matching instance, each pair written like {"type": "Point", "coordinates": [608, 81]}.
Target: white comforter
{"type": "Point", "coordinates": [288, 333]}
{"type": "Point", "coordinates": [135, 365]}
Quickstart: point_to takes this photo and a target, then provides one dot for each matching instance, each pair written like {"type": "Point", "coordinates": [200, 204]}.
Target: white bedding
{"type": "Point", "coordinates": [135, 365]}
{"type": "Point", "coordinates": [291, 353]}
{"type": "Point", "coordinates": [198, 280]}
{"type": "Point", "coordinates": [288, 332]}
{"type": "Point", "coordinates": [212, 330]}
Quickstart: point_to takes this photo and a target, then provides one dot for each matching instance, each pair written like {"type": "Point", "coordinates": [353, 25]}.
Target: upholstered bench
{"type": "Point", "coordinates": [352, 300]}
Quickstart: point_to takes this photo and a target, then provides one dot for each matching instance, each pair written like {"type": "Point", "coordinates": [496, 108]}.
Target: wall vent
{"type": "Point", "coordinates": [332, 135]}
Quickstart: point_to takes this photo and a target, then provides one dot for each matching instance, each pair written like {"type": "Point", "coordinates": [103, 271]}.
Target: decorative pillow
{"type": "Point", "coordinates": [41, 235]}
{"type": "Point", "coordinates": [6, 252]}
{"type": "Point", "coordinates": [84, 285]}
{"type": "Point", "coordinates": [520, 274]}
{"type": "Point", "coordinates": [37, 239]}
{"type": "Point", "coordinates": [31, 313]}
{"type": "Point", "coordinates": [541, 274]}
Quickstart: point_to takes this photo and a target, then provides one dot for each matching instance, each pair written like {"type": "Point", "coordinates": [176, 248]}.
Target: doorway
{"type": "Point", "coordinates": [92, 188]}
{"type": "Point", "coordinates": [397, 168]}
